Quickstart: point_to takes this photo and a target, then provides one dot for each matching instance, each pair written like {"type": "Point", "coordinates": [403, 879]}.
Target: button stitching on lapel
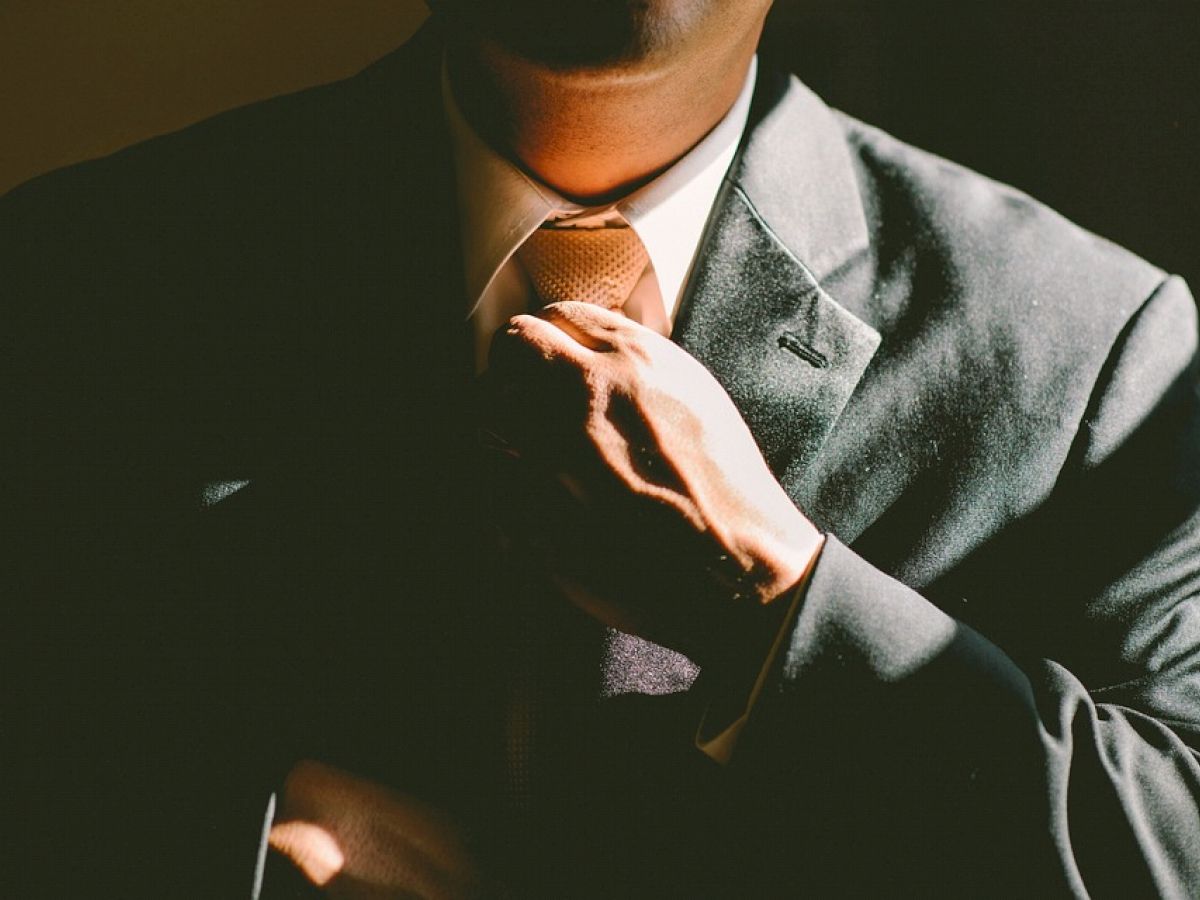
{"type": "Point", "coordinates": [812, 356]}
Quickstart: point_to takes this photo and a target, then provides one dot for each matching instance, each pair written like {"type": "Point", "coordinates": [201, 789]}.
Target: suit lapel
{"type": "Point", "coordinates": [756, 314]}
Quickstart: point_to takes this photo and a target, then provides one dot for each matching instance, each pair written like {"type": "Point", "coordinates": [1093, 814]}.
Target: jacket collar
{"type": "Point", "coordinates": [796, 171]}
{"type": "Point", "coordinates": [756, 314]}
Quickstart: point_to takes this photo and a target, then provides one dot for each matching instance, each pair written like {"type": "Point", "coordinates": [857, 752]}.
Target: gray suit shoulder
{"type": "Point", "coordinates": [993, 243]}
{"type": "Point", "coordinates": [1039, 326]}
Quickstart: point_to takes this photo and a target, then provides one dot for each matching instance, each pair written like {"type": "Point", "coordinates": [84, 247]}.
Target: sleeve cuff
{"type": "Point", "coordinates": [727, 713]}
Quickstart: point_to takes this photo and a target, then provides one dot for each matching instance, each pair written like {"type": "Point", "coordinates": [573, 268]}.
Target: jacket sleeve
{"type": "Point", "coordinates": [913, 745]}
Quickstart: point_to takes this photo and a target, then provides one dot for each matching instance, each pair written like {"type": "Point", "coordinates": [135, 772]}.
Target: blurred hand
{"type": "Point", "coordinates": [664, 519]}
{"type": "Point", "coordinates": [360, 841]}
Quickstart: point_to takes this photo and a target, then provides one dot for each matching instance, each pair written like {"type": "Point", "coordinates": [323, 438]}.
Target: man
{"type": "Point", "coordinates": [911, 485]}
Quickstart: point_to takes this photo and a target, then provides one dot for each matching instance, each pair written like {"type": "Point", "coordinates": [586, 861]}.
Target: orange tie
{"type": "Point", "coordinates": [595, 265]}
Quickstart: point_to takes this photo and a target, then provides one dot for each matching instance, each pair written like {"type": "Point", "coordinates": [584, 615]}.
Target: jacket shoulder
{"type": "Point", "coordinates": [232, 220]}
{"type": "Point", "coordinates": [1004, 327]}
{"type": "Point", "coordinates": [990, 240]}
{"type": "Point", "coordinates": [250, 153]}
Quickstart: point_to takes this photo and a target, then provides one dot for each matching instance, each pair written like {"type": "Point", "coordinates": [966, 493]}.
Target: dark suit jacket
{"type": "Point", "coordinates": [244, 522]}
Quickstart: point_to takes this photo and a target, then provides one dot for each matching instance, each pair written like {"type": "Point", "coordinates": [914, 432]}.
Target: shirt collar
{"type": "Point", "coordinates": [500, 205]}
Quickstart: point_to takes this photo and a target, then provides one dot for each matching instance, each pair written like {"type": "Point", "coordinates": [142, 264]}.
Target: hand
{"type": "Point", "coordinates": [360, 841]}
{"type": "Point", "coordinates": [665, 520]}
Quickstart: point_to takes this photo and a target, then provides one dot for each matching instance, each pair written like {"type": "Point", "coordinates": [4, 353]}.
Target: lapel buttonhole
{"type": "Point", "coordinates": [812, 356]}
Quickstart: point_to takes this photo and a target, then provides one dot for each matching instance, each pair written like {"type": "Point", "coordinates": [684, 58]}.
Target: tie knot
{"type": "Point", "coordinates": [595, 265]}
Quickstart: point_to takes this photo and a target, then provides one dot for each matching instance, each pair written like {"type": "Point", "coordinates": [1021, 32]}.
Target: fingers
{"type": "Point", "coordinates": [567, 332]}
{"type": "Point", "coordinates": [357, 838]}
{"type": "Point", "coordinates": [585, 325]}
{"type": "Point", "coordinates": [527, 340]}
{"type": "Point", "coordinates": [592, 326]}
{"type": "Point", "coordinates": [311, 848]}
{"type": "Point", "coordinates": [537, 382]}
{"type": "Point", "coordinates": [548, 375]}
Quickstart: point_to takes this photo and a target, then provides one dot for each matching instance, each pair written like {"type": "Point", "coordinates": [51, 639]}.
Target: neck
{"type": "Point", "coordinates": [596, 134]}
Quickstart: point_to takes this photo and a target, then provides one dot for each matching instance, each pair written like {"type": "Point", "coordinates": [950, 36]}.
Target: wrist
{"type": "Point", "coordinates": [784, 555]}
{"type": "Point", "coordinates": [757, 601]}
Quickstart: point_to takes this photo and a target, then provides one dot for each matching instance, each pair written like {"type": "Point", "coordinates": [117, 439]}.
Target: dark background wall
{"type": "Point", "coordinates": [1090, 105]}
{"type": "Point", "coordinates": [81, 78]}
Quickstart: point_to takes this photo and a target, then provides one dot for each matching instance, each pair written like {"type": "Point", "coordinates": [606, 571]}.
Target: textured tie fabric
{"type": "Point", "coordinates": [632, 665]}
{"type": "Point", "coordinates": [600, 266]}
{"type": "Point", "coordinates": [595, 265]}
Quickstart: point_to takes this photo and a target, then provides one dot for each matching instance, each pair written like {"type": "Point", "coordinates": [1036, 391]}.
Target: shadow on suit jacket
{"type": "Point", "coordinates": [245, 522]}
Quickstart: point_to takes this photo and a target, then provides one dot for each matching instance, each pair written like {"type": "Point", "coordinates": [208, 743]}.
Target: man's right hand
{"type": "Point", "coordinates": [358, 840]}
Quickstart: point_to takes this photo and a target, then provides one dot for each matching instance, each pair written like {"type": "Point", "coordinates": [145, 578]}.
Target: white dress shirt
{"type": "Point", "coordinates": [500, 205]}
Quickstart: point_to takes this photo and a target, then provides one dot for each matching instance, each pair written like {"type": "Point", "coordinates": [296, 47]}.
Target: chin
{"type": "Point", "coordinates": [588, 34]}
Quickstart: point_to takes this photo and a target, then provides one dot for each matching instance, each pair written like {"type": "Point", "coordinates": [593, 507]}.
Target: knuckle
{"type": "Point", "coordinates": [516, 328]}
